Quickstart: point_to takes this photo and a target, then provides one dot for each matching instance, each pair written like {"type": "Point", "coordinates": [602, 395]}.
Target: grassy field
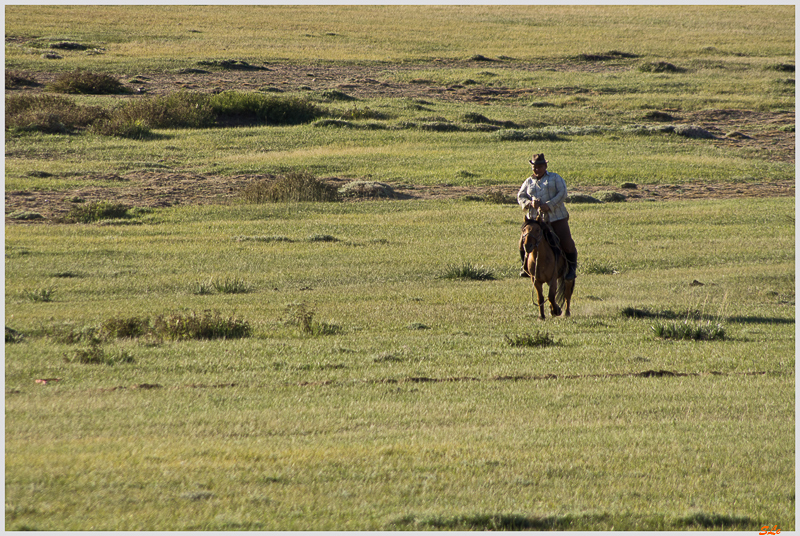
{"type": "Point", "coordinates": [317, 366]}
{"type": "Point", "coordinates": [407, 408]}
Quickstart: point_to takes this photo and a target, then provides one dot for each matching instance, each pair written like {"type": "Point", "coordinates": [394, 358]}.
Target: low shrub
{"type": "Point", "coordinates": [274, 110]}
{"type": "Point", "coordinates": [49, 114]}
{"type": "Point", "coordinates": [94, 354]}
{"type": "Point", "coordinates": [84, 82]}
{"type": "Point", "coordinates": [15, 79]}
{"type": "Point", "coordinates": [207, 325]}
{"type": "Point", "coordinates": [527, 135]}
{"type": "Point", "coordinates": [123, 328]}
{"type": "Point", "coordinates": [96, 211]}
{"type": "Point", "coordinates": [537, 340]}
{"type": "Point", "coordinates": [660, 67]}
{"type": "Point", "coordinates": [294, 187]}
{"type": "Point", "coordinates": [497, 197]}
{"type": "Point", "coordinates": [40, 295]}
{"type": "Point", "coordinates": [13, 336]}
{"type": "Point", "coordinates": [598, 268]}
{"type": "Point", "coordinates": [121, 128]}
{"type": "Point", "coordinates": [468, 271]}
{"type": "Point", "coordinates": [301, 317]}
{"type": "Point", "coordinates": [687, 330]}
{"type": "Point", "coordinates": [176, 110]}
{"type": "Point", "coordinates": [231, 285]}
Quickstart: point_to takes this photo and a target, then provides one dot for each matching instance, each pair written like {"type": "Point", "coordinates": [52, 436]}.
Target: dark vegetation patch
{"type": "Point", "coordinates": [469, 272]}
{"type": "Point", "coordinates": [658, 116]}
{"type": "Point", "coordinates": [68, 45]}
{"type": "Point", "coordinates": [49, 114]}
{"type": "Point", "coordinates": [206, 325]}
{"type": "Point", "coordinates": [95, 354]}
{"type": "Point", "coordinates": [536, 340]}
{"type": "Point", "coordinates": [782, 67]}
{"type": "Point", "coordinates": [687, 330]}
{"type": "Point", "coordinates": [134, 118]}
{"type": "Point", "coordinates": [294, 187]}
{"type": "Point", "coordinates": [176, 326]}
{"type": "Point", "coordinates": [13, 336]}
{"type": "Point", "coordinates": [232, 65]}
{"type": "Point", "coordinates": [583, 522]}
{"type": "Point", "coordinates": [300, 316]}
{"type": "Point", "coordinates": [89, 83]}
{"type": "Point", "coordinates": [660, 67]}
{"type": "Point", "coordinates": [606, 56]}
{"type": "Point", "coordinates": [96, 211]}
{"type": "Point", "coordinates": [15, 79]}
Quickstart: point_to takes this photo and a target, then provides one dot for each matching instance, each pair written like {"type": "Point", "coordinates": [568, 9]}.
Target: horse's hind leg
{"type": "Point", "coordinates": [569, 286]}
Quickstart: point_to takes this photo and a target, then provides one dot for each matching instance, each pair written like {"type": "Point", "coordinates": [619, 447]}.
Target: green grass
{"type": "Point", "coordinates": [583, 98]}
{"type": "Point", "coordinates": [371, 394]}
{"type": "Point", "coordinates": [305, 366]}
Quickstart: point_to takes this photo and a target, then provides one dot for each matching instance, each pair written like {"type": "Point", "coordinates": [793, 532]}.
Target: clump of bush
{"type": "Point", "coordinates": [176, 110]}
{"type": "Point", "coordinates": [96, 211]}
{"type": "Point", "coordinates": [206, 325]}
{"type": "Point", "coordinates": [660, 67]}
{"type": "Point", "coordinates": [85, 82]}
{"type": "Point", "coordinates": [263, 108]}
{"type": "Point", "coordinates": [468, 271]}
{"type": "Point", "coordinates": [300, 316]}
{"type": "Point", "coordinates": [536, 340]}
{"type": "Point", "coordinates": [294, 187]}
{"type": "Point", "coordinates": [15, 79]}
{"type": "Point", "coordinates": [49, 114]}
{"type": "Point", "coordinates": [95, 354]}
{"type": "Point", "coordinates": [687, 330]}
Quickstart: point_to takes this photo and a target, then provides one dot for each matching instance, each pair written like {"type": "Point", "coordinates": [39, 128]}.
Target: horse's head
{"type": "Point", "coordinates": [531, 235]}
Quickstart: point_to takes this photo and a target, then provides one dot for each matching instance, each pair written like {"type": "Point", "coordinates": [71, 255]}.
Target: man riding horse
{"type": "Point", "coordinates": [546, 192]}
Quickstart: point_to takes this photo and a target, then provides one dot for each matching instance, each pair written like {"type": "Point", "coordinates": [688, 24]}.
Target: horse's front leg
{"type": "Point", "coordinates": [538, 293]}
{"type": "Point", "coordinates": [555, 310]}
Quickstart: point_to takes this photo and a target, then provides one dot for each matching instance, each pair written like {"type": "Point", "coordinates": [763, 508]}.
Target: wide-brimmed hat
{"type": "Point", "coordinates": [538, 159]}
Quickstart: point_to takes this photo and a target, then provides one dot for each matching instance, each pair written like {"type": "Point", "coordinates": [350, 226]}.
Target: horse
{"type": "Point", "coordinates": [546, 266]}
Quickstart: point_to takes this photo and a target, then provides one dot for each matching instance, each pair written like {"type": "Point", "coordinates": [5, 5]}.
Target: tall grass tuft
{"type": "Point", "coordinates": [273, 110]}
{"type": "Point", "coordinates": [231, 285]}
{"type": "Point", "coordinates": [294, 187]}
{"type": "Point", "coordinates": [94, 354]}
{"type": "Point", "coordinates": [84, 82]}
{"type": "Point", "coordinates": [181, 109]}
{"type": "Point", "coordinates": [468, 271]}
{"type": "Point", "coordinates": [206, 325]}
{"type": "Point", "coordinates": [300, 316]}
{"type": "Point", "coordinates": [537, 340]}
{"type": "Point", "coordinates": [687, 330]}
{"type": "Point", "coordinates": [49, 114]}
{"type": "Point", "coordinates": [96, 211]}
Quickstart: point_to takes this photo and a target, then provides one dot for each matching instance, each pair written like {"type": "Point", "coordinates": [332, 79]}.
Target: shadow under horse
{"type": "Point", "coordinates": [545, 263]}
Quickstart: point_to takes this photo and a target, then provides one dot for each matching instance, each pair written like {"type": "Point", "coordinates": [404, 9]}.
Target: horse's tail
{"type": "Point", "coordinates": [560, 300]}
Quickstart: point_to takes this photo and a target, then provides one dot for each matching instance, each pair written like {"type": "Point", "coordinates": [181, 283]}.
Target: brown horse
{"type": "Point", "coordinates": [544, 266]}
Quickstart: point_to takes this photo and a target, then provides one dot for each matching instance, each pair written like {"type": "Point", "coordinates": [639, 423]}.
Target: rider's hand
{"type": "Point", "coordinates": [543, 207]}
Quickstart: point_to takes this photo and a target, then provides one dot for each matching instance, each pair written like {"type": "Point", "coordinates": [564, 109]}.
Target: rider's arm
{"type": "Point", "coordinates": [523, 197]}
